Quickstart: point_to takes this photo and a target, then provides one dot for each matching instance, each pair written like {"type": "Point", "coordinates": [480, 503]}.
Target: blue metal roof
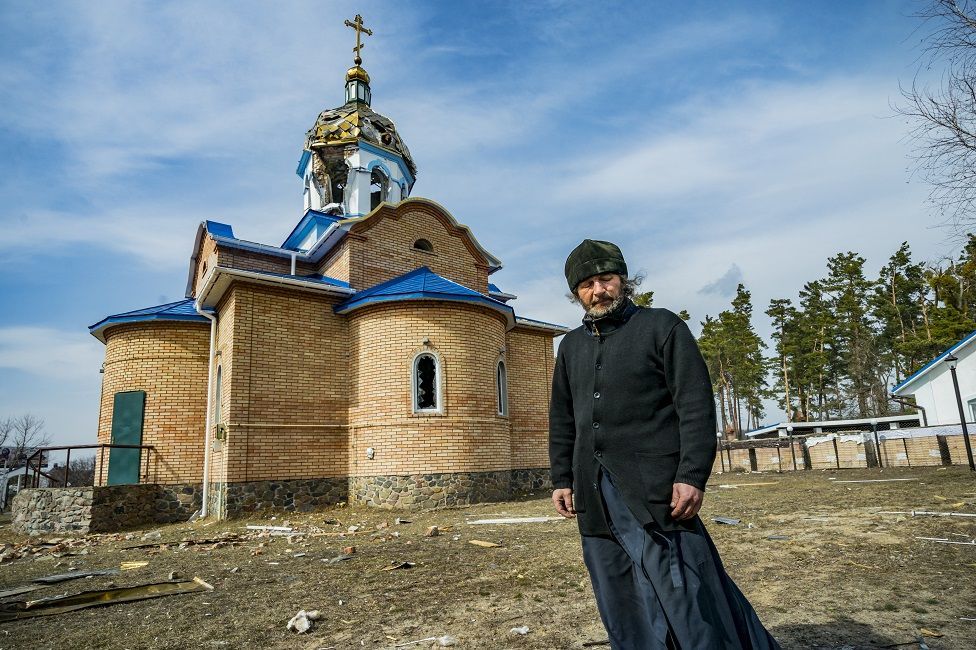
{"type": "Point", "coordinates": [220, 229]}
{"type": "Point", "coordinates": [312, 220]}
{"type": "Point", "coordinates": [182, 310]}
{"type": "Point", "coordinates": [421, 284]}
{"type": "Point", "coordinates": [924, 369]}
{"type": "Point", "coordinates": [322, 279]}
{"type": "Point", "coordinates": [542, 322]}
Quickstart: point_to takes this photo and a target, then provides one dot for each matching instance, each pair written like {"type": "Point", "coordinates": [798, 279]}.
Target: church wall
{"type": "Point", "coordinates": [237, 258]}
{"type": "Point", "coordinates": [169, 362]}
{"type": "Point", "coordinates": [530, 360]}
{"type": "Point", "coordinates": [287, 397]}
{"type": "Point", "coordinates": [206, 260]}
{"type": "Point", "coordinates": [469, 435]}
{"type": "Point", "coordinates": [336, 263]}
{"type": "Point", "coordinates": [382, 249]}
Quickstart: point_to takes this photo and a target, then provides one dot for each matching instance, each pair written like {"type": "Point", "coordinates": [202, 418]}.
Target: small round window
{"type": "Point", "coordinates": [423, 245]}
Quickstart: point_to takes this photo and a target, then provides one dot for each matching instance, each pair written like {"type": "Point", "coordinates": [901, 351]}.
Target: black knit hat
{"type": "Point", "coordinates": [593, 257]}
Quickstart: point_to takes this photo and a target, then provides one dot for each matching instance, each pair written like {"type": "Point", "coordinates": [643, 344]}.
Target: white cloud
{"type": "Point", "coordinates": [50, 353]}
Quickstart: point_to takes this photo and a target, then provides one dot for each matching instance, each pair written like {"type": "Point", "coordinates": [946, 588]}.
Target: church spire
{"type": "Point", "coordinates": [357, 79]}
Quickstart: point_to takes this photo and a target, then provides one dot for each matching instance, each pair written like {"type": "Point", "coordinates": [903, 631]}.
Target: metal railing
{"type": "Point", "coordinates": [34, 463]}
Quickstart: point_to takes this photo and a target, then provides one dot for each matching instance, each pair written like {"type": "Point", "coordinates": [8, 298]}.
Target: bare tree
{"type": "Point", "coordinates": [6, 426]}
{"type": "Point", "coordinates": [80, 472]}
{"type": "Point", "coordinates": [26, 435]}
{"type": "Point", "coordinates": [944, 117]}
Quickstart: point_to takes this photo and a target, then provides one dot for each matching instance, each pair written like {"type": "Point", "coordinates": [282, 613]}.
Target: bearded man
{"type": "Point", "coordinates": [631, 444]}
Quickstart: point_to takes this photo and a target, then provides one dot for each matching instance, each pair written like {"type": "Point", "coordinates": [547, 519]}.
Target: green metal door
{"type": "Point", "coordinates": [127, 412]}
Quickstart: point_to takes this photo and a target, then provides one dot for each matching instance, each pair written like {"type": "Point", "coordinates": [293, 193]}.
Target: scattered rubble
{"type": "Point", "coordinates": [728, 521]}
{"type": "Point", "coordinates": [301, 622]}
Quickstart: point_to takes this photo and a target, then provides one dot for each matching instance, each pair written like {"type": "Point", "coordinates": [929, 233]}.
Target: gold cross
{"type": "Point", "coordinates": [360, 29]}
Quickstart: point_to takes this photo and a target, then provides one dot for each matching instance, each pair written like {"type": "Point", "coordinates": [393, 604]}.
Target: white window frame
{"type": "Point", "coordinates": [501, 387]}
{"type": "Point", "coordinates": [438, 384]}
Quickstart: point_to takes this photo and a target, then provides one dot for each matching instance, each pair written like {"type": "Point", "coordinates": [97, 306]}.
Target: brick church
{"type": "Point", "coordinates": [366, 358]}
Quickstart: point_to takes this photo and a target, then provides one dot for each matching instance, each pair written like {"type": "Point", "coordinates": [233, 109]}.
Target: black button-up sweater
{"type": "Point", "coordinates": [631, 395]}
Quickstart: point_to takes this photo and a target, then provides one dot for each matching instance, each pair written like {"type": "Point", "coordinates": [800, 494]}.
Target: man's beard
{"type": "Point", "coordinates": [600, 311]}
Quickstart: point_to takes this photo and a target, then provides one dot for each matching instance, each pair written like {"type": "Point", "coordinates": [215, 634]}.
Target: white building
{"type": "Point", "coordinates": [932, 385]}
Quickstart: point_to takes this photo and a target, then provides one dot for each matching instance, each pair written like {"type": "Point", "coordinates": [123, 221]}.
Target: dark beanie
{"type": "Point", "coordinates": [593, 257]}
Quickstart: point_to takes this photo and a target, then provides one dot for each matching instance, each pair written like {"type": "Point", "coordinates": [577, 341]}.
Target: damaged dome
{"type": "Point", "coordinates": [357, 121]}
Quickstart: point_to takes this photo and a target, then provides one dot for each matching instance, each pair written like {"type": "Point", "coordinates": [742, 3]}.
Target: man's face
{"type": "Point", "coordinates": [599, 293]}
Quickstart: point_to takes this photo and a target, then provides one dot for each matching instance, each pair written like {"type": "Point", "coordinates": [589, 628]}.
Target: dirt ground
{"type": "Point", "coordinates": [845, 577]}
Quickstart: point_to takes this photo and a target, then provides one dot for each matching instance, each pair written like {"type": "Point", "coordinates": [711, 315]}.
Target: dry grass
{"type": "Point", "coordinates": [847, 577]}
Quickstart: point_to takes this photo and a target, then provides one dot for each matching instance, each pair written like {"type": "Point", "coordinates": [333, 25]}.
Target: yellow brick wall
{"type": "Point", "coordinates": [336, 263]}
{"type": "Point", "coordinates": [207, 258]}
{"type": "Point", "coordinates": [284, 355]}
{"type": "Point", "coordinates": [529, 363]}
{"type": "Point", "coordinates": [957, 448]}
{"type": "Point", "coordinates": [469, 435]}
{"type": "Point", "coordinates": [381, 248]}
{"type": "Point", "coordinates": [851, 454]}
{"type": "Point", "coordinates": [169, 362]}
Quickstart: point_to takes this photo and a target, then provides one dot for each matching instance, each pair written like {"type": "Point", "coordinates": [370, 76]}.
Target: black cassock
{"type": "Point", "coordinates": [666, 589]}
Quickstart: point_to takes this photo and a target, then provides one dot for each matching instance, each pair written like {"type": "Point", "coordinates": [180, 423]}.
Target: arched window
{"type": "Point", "coordinates": [426, 383]}
{"type": "Point", "coordinates": [423, 245]}
{"type": "Point", "coordinates": [217, 393]}
{"type": "Point", "coordinates": [378, 185]}
{"type": "Point", "coordinates": [501, 384]}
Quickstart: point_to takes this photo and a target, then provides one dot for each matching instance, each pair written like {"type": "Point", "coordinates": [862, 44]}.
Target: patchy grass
{"type": "Point", "coordinates": [845, 577]}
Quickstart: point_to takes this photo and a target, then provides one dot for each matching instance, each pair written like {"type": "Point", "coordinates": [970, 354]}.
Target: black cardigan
{"type": "Point", "coordinates": [636, 401]}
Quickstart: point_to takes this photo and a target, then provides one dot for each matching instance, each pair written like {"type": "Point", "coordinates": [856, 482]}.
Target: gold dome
{"type": "Point", "coordinates": [357, 72]}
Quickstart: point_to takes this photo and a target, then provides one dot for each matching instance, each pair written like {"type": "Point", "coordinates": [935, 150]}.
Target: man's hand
{"type": "Point", "coordinates": [685, 499]}
{"type": "Point", "coordinates": [563, 500]}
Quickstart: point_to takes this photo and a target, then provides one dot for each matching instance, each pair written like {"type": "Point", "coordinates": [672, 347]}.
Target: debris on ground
{"type": "Point", "coordinates": [85, 599]}
{"type": "Point", "coordinates": [72, 575]}
{"type": "Point", "coordinates": [728, 521]}
{"type": "Point", "coordinates": [301, 622]}
{"type": "Point", "coordinates": [731, 486]}
{"type": "Point", "coordinates": [875, 480]}
{"type": "Point", "coordinates": [946, 540]}
{"type": "Point", "coordinates": [484, 544]}
{"type": "Point", "coordinates": [433, 531]}
{"type": "Point", "coordinates": [277, 529]}
{"type": "Point", "coordinates": [442, 641]}
{"type": "Point", "coordinates": [400, 521]}
{"type": "Point", "coordinates": [927, 513]}
{"type": "Point", "coordinates": [931, 633]}
{"type": "Point", "coordinates": [516, 520]}
{"type": "Point", "coordinates": [129, 566]}
{"type": "Point", "coordinates": [521, 630]}
{"type": "Point", "coordinates": [778, 537]}
{"type": "Point", "coordinates": [399, 565]}
{"type": "Point", "coordinates": [16, 591]}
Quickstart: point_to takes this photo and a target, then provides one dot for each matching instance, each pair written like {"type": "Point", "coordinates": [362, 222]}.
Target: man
{"type": "Point", "coordinates": [631, 445]}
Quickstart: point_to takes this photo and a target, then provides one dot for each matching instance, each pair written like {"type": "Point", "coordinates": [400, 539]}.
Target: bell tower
{"type": "Point", "coordinates": [354, 158]}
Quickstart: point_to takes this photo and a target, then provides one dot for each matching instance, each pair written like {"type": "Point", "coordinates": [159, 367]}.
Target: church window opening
{"type": "Point", "coordinates": [426, 382]}
{"type": "Point", "coordinates": [501, 383]}
{"type": "Point", "coordinates": [423, 245]}
{"type": "Point", "coordinates": [378, 188]}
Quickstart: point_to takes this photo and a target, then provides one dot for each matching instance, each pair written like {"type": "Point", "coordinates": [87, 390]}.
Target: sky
{"type": "Point", "coordinates": [716, 143]}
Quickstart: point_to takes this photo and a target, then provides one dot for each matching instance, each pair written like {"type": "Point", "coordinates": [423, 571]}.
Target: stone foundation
{"type": "Point", "coordinates": [425, 491]}
{"type": "Point", "coordinates": [531, 480]}
{"type": "Point", "coordinates": [299, 495]}
{"type": "Point", "coordinates": [39, 511]}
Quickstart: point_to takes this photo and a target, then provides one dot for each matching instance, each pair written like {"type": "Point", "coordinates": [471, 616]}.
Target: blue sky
{"type": "Point", "coordinates": [715, 142]}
